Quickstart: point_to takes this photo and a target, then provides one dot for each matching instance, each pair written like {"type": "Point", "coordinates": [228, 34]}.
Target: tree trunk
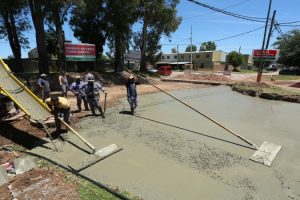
{"type": "Point", "coordinates": [119, 50]}
{"type": "Point", "coordinates": [38, 22]}
{"type": "Point", "coordinates": [60, 43]}
{"type": "Point", "coordinates": [143, 45]}
{"type": "Point", "coordinates": [13, 39]}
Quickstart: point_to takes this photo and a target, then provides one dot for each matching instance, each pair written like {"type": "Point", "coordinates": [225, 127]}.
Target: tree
{"type": "Point", "coordinates": [208, 46]}
{"type": "Point", "coordinates": [37, 9]}
{"type": "Point", "coordinates": [174, 50]}
{"type": "Point", "coordinates": [89, 24]}
{"type": "Point", "coordinates": [289, 46]}
{"type": "Point", "coordinates": [120, 18]}
{"type": "Point", "coordinates": [158, 17]}
{"type": "Point", "coordinates": [13, 23]}
{"type": "Point", "coordinates": [235, 59]}
{"type": "Point", "coordinates": [188, 48]}
{"type": "Point", "coordinates": [56, 12]}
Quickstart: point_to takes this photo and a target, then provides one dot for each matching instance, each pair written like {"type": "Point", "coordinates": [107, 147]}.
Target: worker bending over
{"type": "Point", "coordinates": [59, 106]}
{"type": "Point", "coordinates": [92, 92]}
{"type": "Point", "coordinates": [77, 89]}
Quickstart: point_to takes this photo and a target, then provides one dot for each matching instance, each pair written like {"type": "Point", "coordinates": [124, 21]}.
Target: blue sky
{"type": "Point", "coordinates": [209, 25]}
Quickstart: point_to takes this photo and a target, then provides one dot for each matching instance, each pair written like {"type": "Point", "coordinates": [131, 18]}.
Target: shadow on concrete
{"type": "Point", "coordinates": [199, 133]}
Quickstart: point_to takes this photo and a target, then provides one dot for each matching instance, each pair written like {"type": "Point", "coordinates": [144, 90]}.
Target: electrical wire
{"type": "Point", "coordinates": [230, 6]}
{"type": "Point", "coordinates": [255, 19]}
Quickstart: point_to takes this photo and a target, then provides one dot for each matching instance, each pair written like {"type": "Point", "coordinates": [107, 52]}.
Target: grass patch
{"type": "Point", "coordinates": [86, 189]}
{"type": "Point", "coordinates": [246, 71]}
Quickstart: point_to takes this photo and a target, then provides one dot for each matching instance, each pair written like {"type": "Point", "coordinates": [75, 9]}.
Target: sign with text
{"type": "Point", "coordinates": [80, 52]}
{"type": "Point", "coordinates": [269, 55]}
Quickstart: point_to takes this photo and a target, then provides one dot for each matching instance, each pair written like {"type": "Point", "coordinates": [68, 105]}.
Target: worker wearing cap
{"type": "Point", "coordinates": [44, 86]}
{"type": "Point", "coordinates": [131, 92]}
{"type": "Point", "coordinates": [77, 88]}
{"type": "Point", "coordinates": [92, 92]}
{"type": "Point", "coordinates": [58, 106]}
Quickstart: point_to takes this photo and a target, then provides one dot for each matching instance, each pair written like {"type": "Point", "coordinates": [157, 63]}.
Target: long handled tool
{"type": "Point", "coordinates": [265, 154]}
{"type": "Point", "coordinates": [79, 136]}
{"type": "Point", "coordinates": [105, 96]}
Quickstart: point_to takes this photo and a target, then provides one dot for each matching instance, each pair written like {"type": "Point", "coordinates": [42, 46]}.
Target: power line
{"type": "Point", "coordinates": [256, 19]}
{"type": "Point", "coordinates": [226, 38]}
{"type": "Point", "coordinates": [230, 6]}
{"type": "Point", "coordinates": [285, 23]}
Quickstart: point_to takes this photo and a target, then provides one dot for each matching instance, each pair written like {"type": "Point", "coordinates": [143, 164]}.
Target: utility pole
{"type": "Point", "coordinates": [177, 56]}
{"type": "Point", "coordinates": [240, 50]}
{"type": "Point", "coordinates": [191, 47]}
{"type": "Point", "coordinates": [271, 29]}
{"type": "Point", "coordinates": [260, 70]}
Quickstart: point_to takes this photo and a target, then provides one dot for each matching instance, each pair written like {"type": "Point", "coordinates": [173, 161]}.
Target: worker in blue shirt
{"type": "Point", "coordinates": [92, 92]}
{"type": "Point", "coordinates": [44, 86]}
{"type": "Point", "coordinates": [77, 88]}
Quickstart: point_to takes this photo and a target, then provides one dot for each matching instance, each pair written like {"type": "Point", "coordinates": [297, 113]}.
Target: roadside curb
{"type": "Point", "coordinates": [198, 81]}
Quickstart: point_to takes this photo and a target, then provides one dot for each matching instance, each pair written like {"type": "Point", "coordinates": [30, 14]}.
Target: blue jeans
{"type": "Point", "coordinates": [94, 103]}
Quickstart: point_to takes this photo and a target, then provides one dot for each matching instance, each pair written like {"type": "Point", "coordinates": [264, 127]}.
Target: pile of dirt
{"type": "Point", "coordinates": [39, 184]}
{"type": "Point", "coordinates": [208, 77]}
{"type": "Point", "coordinates": [265, 91]}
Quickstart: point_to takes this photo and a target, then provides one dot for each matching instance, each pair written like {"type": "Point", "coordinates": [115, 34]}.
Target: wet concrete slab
{"type": "Point", "coordinates": [24, 164]}
{"type": "Point", "coordinates": [171, 152]}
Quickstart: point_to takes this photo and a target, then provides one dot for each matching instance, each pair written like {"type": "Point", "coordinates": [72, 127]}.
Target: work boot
{"type": "Point", "coordinates": [132, 111]}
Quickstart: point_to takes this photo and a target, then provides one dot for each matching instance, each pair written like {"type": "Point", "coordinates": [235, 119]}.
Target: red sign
{"type": "Point", "coordinates": [271, 54]}
{"type": "Point", "coordinates": [80, 52]}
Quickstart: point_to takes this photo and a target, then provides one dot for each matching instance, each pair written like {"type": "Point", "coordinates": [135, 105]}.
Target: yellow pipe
{"type": "Point", "coordinates": [12, 98]}
{"type": "Point", "coordinates": [23, 86]}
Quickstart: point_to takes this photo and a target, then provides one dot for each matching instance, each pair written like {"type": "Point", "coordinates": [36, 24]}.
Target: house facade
{"type": "Point", "coordinates": [202, 59]}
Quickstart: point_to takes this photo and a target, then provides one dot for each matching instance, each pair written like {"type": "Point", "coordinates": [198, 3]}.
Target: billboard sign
{"type": "Point", "coordinates": [134, 56]}
{"type": "Point", "coordinates": [269, 55]}
{"type": "Point", "coordinates": [80, 52]}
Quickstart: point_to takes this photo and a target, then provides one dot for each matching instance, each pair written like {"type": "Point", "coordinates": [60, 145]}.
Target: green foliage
{"type": "Point", "coordinates": [289, 46]}
{"type": "Point", "coordinates": [188, 48]}
{"type": "Point", "coordinates": [235, 59]}
{"type": "Point", "coordinates": [159, 18]}
{"type": "Point", "coordinates": [88, 22]}
{"type": "Point", "coordinates": [208, 46]}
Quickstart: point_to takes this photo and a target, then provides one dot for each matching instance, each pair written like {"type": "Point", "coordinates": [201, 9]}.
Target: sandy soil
{"type": "Point", "coordinates": [173, 153]}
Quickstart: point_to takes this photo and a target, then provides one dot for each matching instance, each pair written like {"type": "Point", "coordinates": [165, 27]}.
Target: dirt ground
{"type": "Point", "coordinates": [209, 77]}
{"type": "Point", "coordinates": [39, 184]}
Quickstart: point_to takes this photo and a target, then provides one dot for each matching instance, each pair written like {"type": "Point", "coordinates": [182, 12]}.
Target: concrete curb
{"type": "Point", "coordinates": [206, 82]}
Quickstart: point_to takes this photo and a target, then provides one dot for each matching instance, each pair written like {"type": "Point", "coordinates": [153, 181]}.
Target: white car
{"type": "Point", "coordinates": [152, 70]}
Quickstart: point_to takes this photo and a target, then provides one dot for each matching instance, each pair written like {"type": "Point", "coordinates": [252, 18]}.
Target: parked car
{"type": "Point", "coordinates": [152, 70]}
{"type": "Point", "coordinates": [165, 70]}
{"type": "Point", "coordinates": [289, 72]}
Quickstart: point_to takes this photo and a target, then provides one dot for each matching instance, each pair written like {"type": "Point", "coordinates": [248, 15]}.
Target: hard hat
{"type": "Point", "coordinates": [43, 75]}
{"type": "Point", "coordinates": [131, 76]}
{"type": "Point", "coordinates": [91, 79]}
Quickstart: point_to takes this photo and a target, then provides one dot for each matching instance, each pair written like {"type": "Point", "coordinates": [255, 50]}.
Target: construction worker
{"type": "Point", "coordinates": [63, 82]}
{"type": "Point", "coordinates": [92, 92]}
{"type": "Point", "coordinates": [131, 92]}
{"type": "Point", "coordinates": [59, 106]}
{"type": "Point", "coordinates": [77, 89]}
{"type": "Point", "coordinates": [44, 86]}
{"type": "Point", "coordinates": [88, 75]}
